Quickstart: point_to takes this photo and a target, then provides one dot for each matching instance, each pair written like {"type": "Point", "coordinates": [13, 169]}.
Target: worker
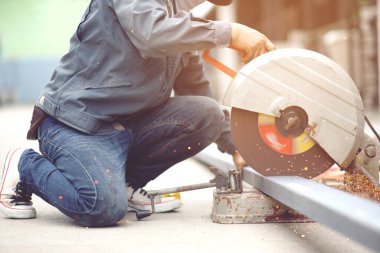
{"type": "Point", "coordinates": [107, 122]}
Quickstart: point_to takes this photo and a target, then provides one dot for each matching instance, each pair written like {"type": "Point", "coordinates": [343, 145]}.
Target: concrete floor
{"type": "Point", "coordinates": [190, 229]}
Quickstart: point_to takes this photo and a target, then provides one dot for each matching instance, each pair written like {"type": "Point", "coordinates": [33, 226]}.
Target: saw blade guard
{"type": "Point", "coordinates": [285, 78]}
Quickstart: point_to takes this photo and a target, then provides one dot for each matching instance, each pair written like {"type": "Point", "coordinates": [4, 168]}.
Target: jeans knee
{"type": "Point", "coordinates": [211, 111]}
{"type": "Point", "coordinates": [103, 217]}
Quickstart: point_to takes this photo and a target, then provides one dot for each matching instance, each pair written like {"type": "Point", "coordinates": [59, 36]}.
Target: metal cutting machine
{"type": "Point", "coordinates": [296, 112]}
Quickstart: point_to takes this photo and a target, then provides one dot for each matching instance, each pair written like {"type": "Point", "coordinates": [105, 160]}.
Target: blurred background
{"type": "Point", "coordinates": [34, 34]}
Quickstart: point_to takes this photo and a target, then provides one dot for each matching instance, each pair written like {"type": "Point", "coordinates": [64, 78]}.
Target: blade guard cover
{"type": "Point", "coordinates": [299, 77]}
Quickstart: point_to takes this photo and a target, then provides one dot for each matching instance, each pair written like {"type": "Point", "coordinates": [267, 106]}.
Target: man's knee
{"type": "Point", "coordinates": [211, 111]}
{"type": "Point", "coordinates": [103, 217]}
{"type": "Point", "coordinates": [108, 210]}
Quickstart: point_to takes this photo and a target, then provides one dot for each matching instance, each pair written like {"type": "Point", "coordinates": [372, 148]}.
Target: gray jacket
{"type": "Point", "coordinates": [127, 56]}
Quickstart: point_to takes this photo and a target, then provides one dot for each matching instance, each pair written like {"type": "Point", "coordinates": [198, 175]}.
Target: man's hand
{"type": "Point", "coordinates": [249, 41]}
{"type": "Point", "coordinates": [239, 161]}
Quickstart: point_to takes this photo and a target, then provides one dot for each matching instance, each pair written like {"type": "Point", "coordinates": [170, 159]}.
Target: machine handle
{"type": "Point", "coordinates": [232, 73]}
{"type": "Point", "coordinates": [206, 56]}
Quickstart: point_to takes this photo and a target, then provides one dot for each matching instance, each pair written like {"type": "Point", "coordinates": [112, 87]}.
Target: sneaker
{"type": "Point", "coordinates": [138, 200]}
{"type": "Point", "coordinates": [15, 202]}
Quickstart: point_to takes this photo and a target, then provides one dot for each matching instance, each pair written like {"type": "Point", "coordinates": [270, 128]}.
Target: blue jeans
{"type": "Point", "coordinates": [84, 175]}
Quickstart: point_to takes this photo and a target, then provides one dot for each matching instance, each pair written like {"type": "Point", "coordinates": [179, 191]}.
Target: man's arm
{"type": "Point", "coordinates": [156, 33]}
{"type": "Point", "coordinates": [192, 80]}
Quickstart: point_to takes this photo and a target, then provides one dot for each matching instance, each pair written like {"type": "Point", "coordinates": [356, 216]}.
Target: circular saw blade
{"type": "Point", "coordinates": [272, 154]}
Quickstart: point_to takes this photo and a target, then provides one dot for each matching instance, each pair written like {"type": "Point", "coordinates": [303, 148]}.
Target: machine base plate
{"type": "Point", "coordinates": [251, 206]}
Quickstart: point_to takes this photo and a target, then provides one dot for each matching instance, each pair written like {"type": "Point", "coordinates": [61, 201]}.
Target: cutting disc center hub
{"type": "Point", "coordinates": [292, 121]}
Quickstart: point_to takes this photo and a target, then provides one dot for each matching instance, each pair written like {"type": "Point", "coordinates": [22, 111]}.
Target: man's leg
{"type": "Point", "coordinates": [169, 134]}
{"type": "Point", "coordinates": [82, 175]}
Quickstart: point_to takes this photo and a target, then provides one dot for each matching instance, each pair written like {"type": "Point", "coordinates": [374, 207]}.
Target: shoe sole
{"type": "Point", "coordinates": [19, 212]}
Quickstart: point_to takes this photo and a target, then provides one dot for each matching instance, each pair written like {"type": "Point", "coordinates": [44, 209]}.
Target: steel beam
{"type": "Point", "coordinates": [350, 215]}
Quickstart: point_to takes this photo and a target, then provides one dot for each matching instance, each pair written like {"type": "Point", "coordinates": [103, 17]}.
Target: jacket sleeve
{"type": "Point", "coordinates": [192, 81]}
{"type": "Point", "coordinates": [154, 33]}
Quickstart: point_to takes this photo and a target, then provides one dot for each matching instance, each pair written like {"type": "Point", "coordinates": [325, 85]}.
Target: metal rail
{"type": "Point", "coordinates": [350, 215]}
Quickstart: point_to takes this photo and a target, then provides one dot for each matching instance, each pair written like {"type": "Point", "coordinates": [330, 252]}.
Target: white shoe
{"type": "Point", "coordinates": [138, 200]}
{"type": "Point", "coordinates": [15, 202]}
